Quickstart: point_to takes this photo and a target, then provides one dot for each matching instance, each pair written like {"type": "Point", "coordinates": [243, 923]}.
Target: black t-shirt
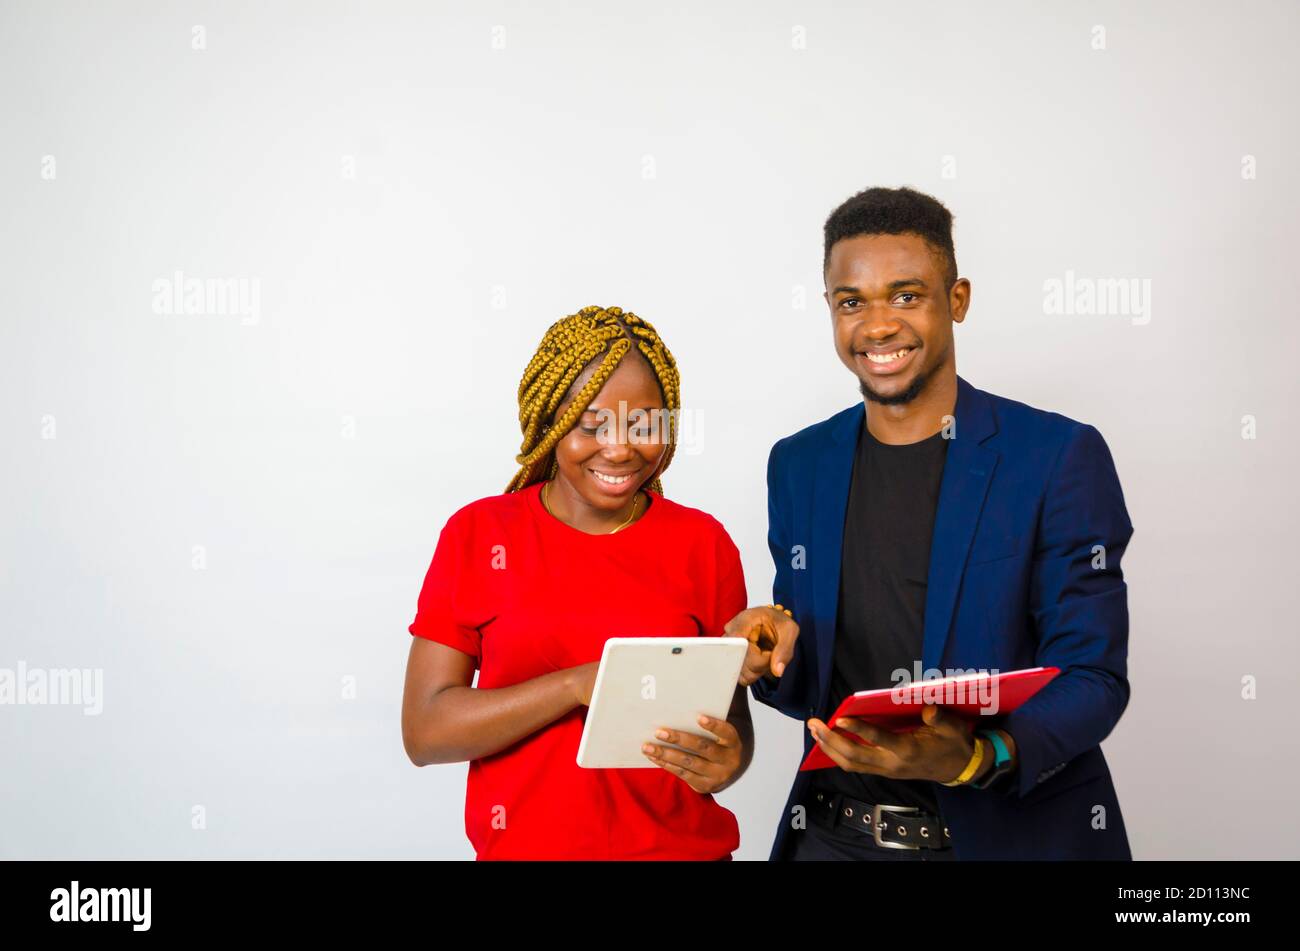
{"type": "Point", "coordinates": [884, 570]}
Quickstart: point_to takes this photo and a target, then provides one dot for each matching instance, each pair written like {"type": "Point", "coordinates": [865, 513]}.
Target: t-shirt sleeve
{"type": "Point", "coordinates": [443, 609]}
{"type": "Point", "coordinates": [728, 596]}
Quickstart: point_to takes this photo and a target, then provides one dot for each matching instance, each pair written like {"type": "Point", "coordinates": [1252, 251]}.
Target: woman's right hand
{"type": "Point", "coordinates": [582, 681]}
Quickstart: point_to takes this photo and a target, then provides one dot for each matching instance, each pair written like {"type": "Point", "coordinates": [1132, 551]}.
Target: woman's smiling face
{"type": "Point", "coordinates": [614, 448]}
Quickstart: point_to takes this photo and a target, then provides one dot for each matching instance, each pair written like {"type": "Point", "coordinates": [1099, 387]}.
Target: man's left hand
{"type": "Point", "coordinates": [939, 749]}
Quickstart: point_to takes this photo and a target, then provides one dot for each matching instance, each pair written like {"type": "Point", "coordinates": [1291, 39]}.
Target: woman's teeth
{"type": "Point", "coordinates": [889, 357]}
{"type": "Point", "coordinates": [612, 480]}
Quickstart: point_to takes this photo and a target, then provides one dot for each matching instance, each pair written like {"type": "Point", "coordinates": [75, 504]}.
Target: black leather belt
{"type": "Point", "coordinates": [889, 827]}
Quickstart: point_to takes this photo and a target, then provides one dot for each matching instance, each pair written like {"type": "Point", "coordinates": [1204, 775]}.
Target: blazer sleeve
{"type": "Point", "coordinates": [785, 693]}
{"type": "Point", "coordinates": [1079, 605]}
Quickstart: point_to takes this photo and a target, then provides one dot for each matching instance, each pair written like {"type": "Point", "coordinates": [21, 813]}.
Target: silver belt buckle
{"type": "Point", "coordinates": [876, 826]}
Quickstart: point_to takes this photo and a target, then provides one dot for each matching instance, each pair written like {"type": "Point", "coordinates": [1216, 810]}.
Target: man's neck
{"type": "Point", "coordinates": [918, 419]}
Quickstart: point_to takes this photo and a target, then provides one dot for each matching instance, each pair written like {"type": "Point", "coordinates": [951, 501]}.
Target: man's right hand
{"type": "Point", "coordinates": [771, 634]}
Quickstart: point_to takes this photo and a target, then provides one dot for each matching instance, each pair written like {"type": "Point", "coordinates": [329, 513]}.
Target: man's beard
{"type": "Point", "coordinates": [909, 394]}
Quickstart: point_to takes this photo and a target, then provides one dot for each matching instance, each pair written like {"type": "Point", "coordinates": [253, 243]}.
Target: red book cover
{"type": "Point", "coordinates": [899, 708]}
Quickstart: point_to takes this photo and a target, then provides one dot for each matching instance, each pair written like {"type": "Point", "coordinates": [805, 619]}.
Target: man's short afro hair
{"type": "Point", "coordinates": [894, 211]}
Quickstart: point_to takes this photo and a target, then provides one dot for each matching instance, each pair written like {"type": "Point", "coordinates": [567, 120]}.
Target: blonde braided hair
{"type": "Point", "coordinates": [569, 347]}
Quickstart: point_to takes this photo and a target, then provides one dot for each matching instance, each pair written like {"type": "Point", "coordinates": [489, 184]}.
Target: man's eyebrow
{"type": "Point", "coordinates": [893, 285]}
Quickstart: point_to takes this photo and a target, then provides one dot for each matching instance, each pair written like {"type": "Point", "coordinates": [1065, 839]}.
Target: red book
{"type": "Point", "coordinates": [898, 709]}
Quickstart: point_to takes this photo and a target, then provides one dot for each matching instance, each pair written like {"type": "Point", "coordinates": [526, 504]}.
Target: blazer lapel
{"type": "Point", "coordinates": [967, 472]}
{"type": "Point", "coordinates": [831, 480]}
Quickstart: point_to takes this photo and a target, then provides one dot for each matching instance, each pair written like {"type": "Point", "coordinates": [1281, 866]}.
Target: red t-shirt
{"type": "Point", "coordinates": [526, 594]}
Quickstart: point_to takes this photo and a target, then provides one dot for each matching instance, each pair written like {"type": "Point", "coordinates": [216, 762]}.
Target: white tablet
{"type": "Point", "coordinates": [645, 683]}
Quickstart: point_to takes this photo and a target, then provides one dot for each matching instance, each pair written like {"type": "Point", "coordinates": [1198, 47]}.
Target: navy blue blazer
{"type": "Point", "coordinates": [1017, 579]}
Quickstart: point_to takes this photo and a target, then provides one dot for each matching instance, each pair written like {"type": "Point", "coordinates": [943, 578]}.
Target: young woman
{"type": "Point", "coordinates": [527, 586]}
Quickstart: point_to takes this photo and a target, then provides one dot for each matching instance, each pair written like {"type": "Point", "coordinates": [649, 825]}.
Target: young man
{"type": "Point", "coordinates": [936, 527]}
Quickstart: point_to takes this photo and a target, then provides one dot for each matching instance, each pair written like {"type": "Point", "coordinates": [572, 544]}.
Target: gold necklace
{"type": "Point", "coordinates": [636, 500]}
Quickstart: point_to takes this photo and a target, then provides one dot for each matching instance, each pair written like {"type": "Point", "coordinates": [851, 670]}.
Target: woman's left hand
{"type": "Point", "coordinates": [703, 764]}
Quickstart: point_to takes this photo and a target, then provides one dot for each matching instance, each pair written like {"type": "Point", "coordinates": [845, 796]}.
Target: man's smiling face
{"type": "Point", "coordinates": [892, 312]}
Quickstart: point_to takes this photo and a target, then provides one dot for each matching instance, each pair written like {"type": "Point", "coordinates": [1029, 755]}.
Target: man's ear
{"type": "Point", "coordinates": [959, 300]}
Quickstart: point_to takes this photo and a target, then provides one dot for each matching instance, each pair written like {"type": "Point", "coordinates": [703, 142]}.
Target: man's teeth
{"type": "Point", "coordinates": [612, 480]}
{"type": "Point", "coordinates": [889, 357]}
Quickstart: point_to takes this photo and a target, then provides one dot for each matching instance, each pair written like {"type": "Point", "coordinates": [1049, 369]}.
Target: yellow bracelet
{"type": "Point", "coordinates": [972, 767]}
